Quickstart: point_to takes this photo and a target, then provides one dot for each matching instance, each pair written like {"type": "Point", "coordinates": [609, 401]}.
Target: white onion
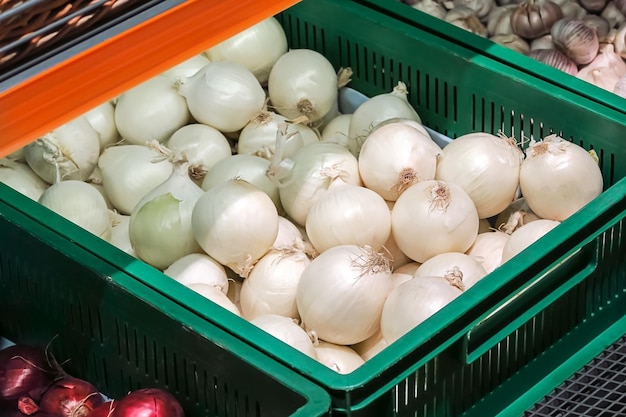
{"type": "Point", "coordinates": [486, 166]}
{"type": "Point", "coordinates": [371, 346]}
{"type": "Point", "coordinates": [309, 175]}
{"type": "Point", "coordinates": [160, 224]}
{"type": "Point", "coordinates": [303, 82]}
{"type": "Point", "coordinates": [120, 232]}
{"type": "Point", "coordinates": [526, 235]}
{"type": "Point", "coordinates": [79, 203]}
{"type": "Point", "coordinates": [558, 178]}
{"type": "Point", "coordinates": [341, 293]}
{"type": "Point", "coordinates": [378, 109]}
{"type": "Point", "coordinates": [187, 68]}
{"type": "Point", "coordinates": [216, 295]}
{"type": "Point", "coordinates": [102, 119]}
{"type": "Point", "coordinates": [235, 223]}
{"type": "Point", "coordinates": [20, 177]}
{"type": "Point", "coordinates": [396, 155]}
{"type": "Point", "coordinates": [286, 330]}
{"type": "Point", "coordinates": [412, 302]}
{"type": "Point", "coordinates": [433, 217]}
{"type": "Point", "coordinates": [224, 95]}
{"type": "Point", "coordinates": [198, 268]}
{"type": "Point", "coordinates": [270, 287]}
{"type": "Point", "coordinates": [487, 249]}
{"type": "Point", "coordinates": [453, 265]}
{"type": "Point", "coordinates": [336, 130]}
{"type": "Point", "coordinates": [129, 173]}
{"type": "Point", "coordinates": [289, 235]}
{"type": "Point", "coordinates": [153, 110]}
{"type": "Point", "coordinates": [203, 146]}
{"type": "Point", "coordinates": [256, 48]}
{"type": "Point", "coordinates": [348, 214]}
{"type": "Point", "coordinates": [339, 358]}
{"type": "Point", "coordinates": [258, 137]}
{"type": "Point", "coordinates": [249, 168]}
{"type": "Point", "coordinates": [70, 152]}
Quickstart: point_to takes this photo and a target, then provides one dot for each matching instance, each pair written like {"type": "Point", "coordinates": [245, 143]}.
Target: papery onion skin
{"type": "Point", "coordinates": [128, 174]}
{"type": "Point", "coordinates": [348, 214]}
{"type": "Point", "coordinates": [558, 178]}
{"type": "Point", "coordinates": [341, 293]}
{"type": "Point", "coordinates": [412, 302]}
{"type": "Point", "coordinates": [24, 368]}
{"type": "Point", "coordinates": [525, 236]}
{"type": "Point", "coordinates": [198, 268]}
{"type": "Point", "coordinates": [469, 268]}
{"type": "Point", "coordinates": [80, 203]}
{"type": "Point", "coordinates": [70, 397]}
{"type": "Point", "coordinates": [243, 213]}
{"type": "Point", "coordinates": [341, 359]}
{"type": "Point", "coordinates": [486, 166]}
{"type": "Point", "coordinates": [396, 155]}
{"type": "Point", "coordinates": [286, 330]}
{"type": "Point", "coordinates": [376, 110]}
{"type": "Point", "coordinates": [314, 168]}
{"type": "Point", "coordinates": [249, 168]}
{"type": "Point", "coordinates": [153, 110]}
{"type": "Point", "coordinates": [256, 48]}
{"type": "Point", "coordinates": [148, 402]}
{"type": "Point", "coordinates": [487, 249]}
{"type": "Point", "coordinates": [302, 82]}
{"type": "Point", "coordinates": [270, 288]}
{"type": "Point", "coordinates": [224, 95]}
{"type": "Point", "coordinates": [433, 217]}
{"type": "Point", "coordinates": [70, 152]}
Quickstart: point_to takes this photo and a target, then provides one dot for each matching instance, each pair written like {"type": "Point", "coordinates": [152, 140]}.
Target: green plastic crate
{"type": "Point", "coordinates": [454, 362]}
{"type": "Point", "coordinates": [488, 48]}
{"type": "Point", "coordinates": [120, 335]}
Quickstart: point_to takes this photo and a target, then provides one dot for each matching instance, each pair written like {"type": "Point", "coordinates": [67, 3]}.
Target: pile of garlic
{"type": "Point", "coordinates": [584, 38]}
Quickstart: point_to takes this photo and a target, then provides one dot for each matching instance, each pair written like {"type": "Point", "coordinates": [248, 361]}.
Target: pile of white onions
{"type": "Point", "coordinates": [336, 233]}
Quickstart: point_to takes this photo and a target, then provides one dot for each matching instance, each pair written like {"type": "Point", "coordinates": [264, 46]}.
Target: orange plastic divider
{"type": "Point", "coordinates": [104, 71]}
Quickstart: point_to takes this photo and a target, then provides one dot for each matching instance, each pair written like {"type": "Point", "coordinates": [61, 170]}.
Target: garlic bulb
{"type": "Point", "coordinates": [556, 59]}
{"type": "Point", "coordinates": [431, 7]}
{"type": "Point", "coordinates": [597, 23]}
{"type": "Point", "coordinates": [593, 5]}
{"type": "Point", "coordinates": [534, 18]}
{"type": "Point", "coordinates": [465, 18]}
{"type": "Point", "coordinates": [620, 87]}
{"type": "Point", "coordinates": [575, 39]}
{"type": "Point", "coordinates": [613, 14]}
{"type": "Point", "coordinates": [513, 42]}
{"type": "Point", "coordinates": [543, 42]}
{"type": "Point", "coordinates": [499, 20]}
{"type": "Point", "coordinates": [605, 70]}
{"type": "Point", "coordinates": [620, 41]}
{"type": "Point", "coordinates": [480, 7]}
{"type": "Point", "coordinates": [572, 9]}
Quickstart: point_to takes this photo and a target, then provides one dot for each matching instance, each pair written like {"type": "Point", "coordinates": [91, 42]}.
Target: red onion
{"type": "Point", "coordinates": [148, 402]}
{"type": "Point", "coordinates": [104, 410]}
{"type": "Point", "coordinates": [25, 368]}
{"type": "Point", "coordinates": [70, 397]}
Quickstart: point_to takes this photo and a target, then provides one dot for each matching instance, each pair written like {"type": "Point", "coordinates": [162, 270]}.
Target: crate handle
{"type": "Point", "coordinates": [540, 292]}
